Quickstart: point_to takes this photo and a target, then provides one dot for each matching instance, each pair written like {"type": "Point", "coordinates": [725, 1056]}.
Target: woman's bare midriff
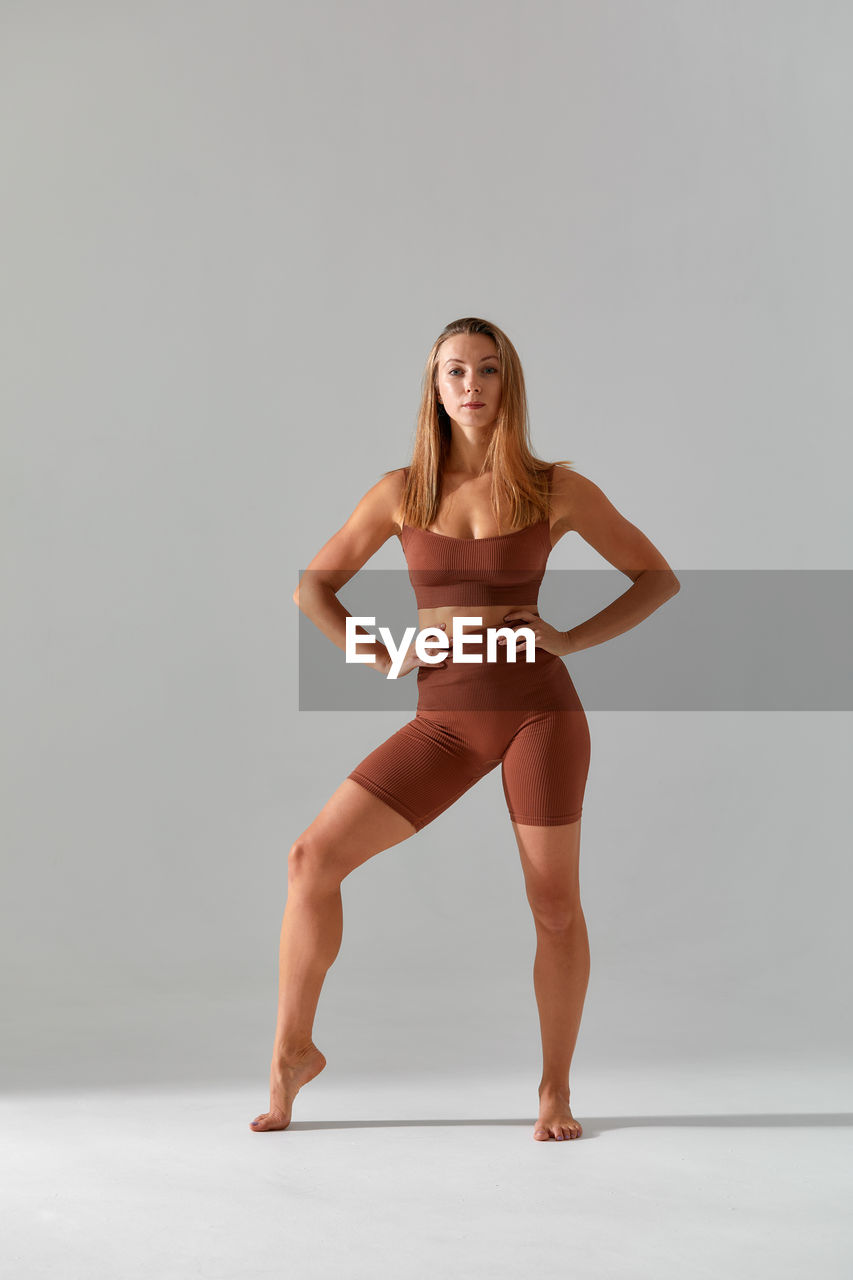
{"type": "Point", "coordinates": [491, 615]}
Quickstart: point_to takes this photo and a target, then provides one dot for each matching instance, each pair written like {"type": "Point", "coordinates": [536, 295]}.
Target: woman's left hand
{"type": "Point", "coordinates": [547, 637]}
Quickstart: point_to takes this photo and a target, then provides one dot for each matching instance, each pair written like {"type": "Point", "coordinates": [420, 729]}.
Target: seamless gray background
{"type": "Point", "coordinates": [232, 233]}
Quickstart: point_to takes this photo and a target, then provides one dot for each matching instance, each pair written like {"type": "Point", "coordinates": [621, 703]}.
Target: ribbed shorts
{"type": "Point", "coordinates": [472, 717]}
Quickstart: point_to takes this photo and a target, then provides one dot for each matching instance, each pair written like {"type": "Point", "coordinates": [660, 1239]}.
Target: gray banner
{"type": "Point", "coordinates": [730, 640]}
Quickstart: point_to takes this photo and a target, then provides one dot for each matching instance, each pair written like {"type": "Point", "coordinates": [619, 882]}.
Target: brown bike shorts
{"type": "Point", "coordinates": [472, 717]}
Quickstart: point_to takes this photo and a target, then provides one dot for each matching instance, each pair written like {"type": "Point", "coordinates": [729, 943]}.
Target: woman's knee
{"type": "Point", "coordinates": [554, 912]}
{"type": "Point", "coordinates": [309, 865]}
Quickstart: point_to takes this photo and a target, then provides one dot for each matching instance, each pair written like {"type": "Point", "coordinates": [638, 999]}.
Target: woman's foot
{"type": "Point", "coordinates": [555, 1117]}
{"type": "Point", "coordinates": [287, 1076]}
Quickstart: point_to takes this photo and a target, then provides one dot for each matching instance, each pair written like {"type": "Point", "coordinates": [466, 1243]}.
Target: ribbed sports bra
{"type": "Point", "coordinates": [504, 569]}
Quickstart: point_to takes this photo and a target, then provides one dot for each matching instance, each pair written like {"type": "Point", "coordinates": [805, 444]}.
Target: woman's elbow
{"type": "Point", "coordinates": [312, 583]}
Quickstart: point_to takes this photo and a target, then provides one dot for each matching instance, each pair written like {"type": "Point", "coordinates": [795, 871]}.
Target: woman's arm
{"type": "Point", "coordinates": [581, 505]}
{"type": "Point", "coordinates": [371, 524]}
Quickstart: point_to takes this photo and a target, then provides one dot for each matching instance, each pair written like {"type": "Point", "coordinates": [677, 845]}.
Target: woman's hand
{"type": "Point", "coordinates": [547, 637]}
{"type": "Point", "coordinates": [410, 659]}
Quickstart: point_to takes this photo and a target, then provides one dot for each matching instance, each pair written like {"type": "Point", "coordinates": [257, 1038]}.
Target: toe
{"type": "Point", "coordinates": [541, 1133]}
{"type": "Point", "coordinates": [270, 1121]}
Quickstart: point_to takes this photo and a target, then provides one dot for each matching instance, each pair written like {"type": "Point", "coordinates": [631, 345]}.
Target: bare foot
{"type": "Point", "coordinates": [555, 1117]}
{"type": "Point", "coordinates": [286, 1079]}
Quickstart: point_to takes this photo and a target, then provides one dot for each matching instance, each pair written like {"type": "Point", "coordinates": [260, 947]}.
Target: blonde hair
{"type": "Point", "coordinates": [519, 478]}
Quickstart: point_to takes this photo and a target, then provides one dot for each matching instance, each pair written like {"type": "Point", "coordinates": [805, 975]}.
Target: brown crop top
{"type": "Point", "coordinates": [504, 569]}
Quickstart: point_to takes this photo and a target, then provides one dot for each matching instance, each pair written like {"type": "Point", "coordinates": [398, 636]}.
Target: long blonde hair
{"type": "Point", "coordinates": [519, 478]}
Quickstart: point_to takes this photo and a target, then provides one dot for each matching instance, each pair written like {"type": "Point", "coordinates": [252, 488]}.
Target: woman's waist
{"type": "Point", "coordinates": [482, 674]}
{"type": "Point", "coordinates": [471, 619]}
{"type": "Point", "coordinates": [468, 640]}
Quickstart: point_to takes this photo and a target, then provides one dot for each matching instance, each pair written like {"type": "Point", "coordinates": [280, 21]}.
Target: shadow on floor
{"type": "Point", "coordinates": [593, 1125]}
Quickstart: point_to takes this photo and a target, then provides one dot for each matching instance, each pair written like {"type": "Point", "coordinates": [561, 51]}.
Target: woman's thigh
{"type": "Point", "coordinates": [545, 767]}
{"type": "Point", "coordinates": [425, 766]}
{"type": "Point", "coordinates": [352, 826]}
{"type": "Point", "coordinates": [550, 861]}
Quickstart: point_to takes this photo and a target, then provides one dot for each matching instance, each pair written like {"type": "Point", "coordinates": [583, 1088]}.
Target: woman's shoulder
{"type": "Point", "coordinates": [392, 486]}
{"type": "Point", "coordinates": [567, 479]}
{"type": "Point", "coordinates": [568, 489]}
{"type": "Point", "coordinates": [392, 481]}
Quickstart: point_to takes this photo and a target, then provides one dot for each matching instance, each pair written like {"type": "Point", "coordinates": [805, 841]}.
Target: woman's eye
{"type": "Point", "coordinates": [490, 368]}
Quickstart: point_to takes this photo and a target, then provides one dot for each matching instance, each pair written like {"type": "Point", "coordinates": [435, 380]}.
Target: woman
{"type": "Point", "coordinates": [498, 512]}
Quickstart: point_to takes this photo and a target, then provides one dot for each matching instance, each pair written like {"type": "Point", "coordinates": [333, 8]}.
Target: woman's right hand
{"type": "Point", "coordinates": [410, 660]}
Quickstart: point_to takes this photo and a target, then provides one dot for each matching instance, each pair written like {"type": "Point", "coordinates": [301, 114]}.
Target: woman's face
{"type": "Point", "coordinates": [468, 379]}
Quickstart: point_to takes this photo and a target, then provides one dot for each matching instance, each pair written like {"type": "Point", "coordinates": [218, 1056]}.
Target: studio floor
{"type": "Point", "coordinates": [736, 1172]}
